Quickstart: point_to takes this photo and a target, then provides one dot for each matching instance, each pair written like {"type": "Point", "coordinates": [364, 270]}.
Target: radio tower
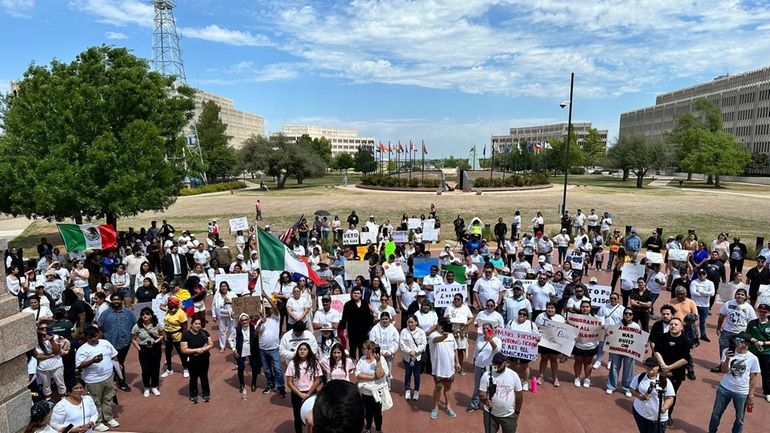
{"type": "Point", "coordinates": [167, 60]}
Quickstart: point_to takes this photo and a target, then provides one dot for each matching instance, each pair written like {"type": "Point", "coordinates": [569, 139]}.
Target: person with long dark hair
{"type": "Point", "coordinates": [338, 366]}
{"type": "Point", "coordinates": [245, 343]}
{"type": "Point", "coordinates": [49, 360]}
{"type": "Point", "coordinates": [371, 374]}
{"type": "Point", "coordinates": [147, 337]}
{"type": "Point", "coordinates": [196, 343]}
{"type": "Point", "coordinates": [413, 343]}
{"type": "Point", "coordinates": [303, 377]}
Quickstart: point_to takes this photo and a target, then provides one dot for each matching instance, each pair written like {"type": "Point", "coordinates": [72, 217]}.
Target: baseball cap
{"type": "Point", "coordinates": [593, 280]}
{"type": "Point", "coordinates": [499, 358]}
{"type": "Point", "coordinates": [741, 337]}
{"type": "Point", "coordinates": [518, 285]}
{"type": "Point", "coordinates": [239, 257]}
{"type": "Point", "coordinates": [421, 293]}
{"type": "Point", "coordinates": [763, 307]}
{"type": "Point", "coordinates": [313, 239]}
{"type": "Point", "coordinates": [651, 362]}
{"type": "Point", "coordinates": [541, 259]}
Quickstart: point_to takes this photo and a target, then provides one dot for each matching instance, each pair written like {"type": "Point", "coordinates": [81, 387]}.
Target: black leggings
{"type": "Point", "coordinates": [121, 358]}
{"type": "Point", "coordinates": [373, 412]}
{"type": "Point", "coordinates": [254, 362]}
{"type": "Point", "coordinates": [149, 360]}
{"type": "Point", "coordinates": [199, 369]}
{"type": "Point", "coordinates": [296, 405]}
{"type": "Point", "coordinates": [170, 345]}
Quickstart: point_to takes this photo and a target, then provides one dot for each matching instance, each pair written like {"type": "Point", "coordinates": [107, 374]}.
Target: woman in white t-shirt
{"type": "Point", "coordinates": [647, 387]}
{"type": "Point", "coordinates": [76, 409]}
{"type": "Point", "coordinates": [296, 306]}
{"type": "Point", "coordinates": [413, 342]}
{"type": "Point", "coordinates": [548, 355]}
{"type": "Point", "coordinates": [584, 352]}
{"type": "Point", "coordinates": [371, 374]}
{"type": "Point", "coordinates": [49, 362]}
{"type": "Point", "coordinates": [522, 324]}
{"type": "Point", "coordinates": [461, 318]}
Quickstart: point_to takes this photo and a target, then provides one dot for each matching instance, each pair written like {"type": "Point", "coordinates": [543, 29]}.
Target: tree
{"type": "Point", "coordinates": [718, 153]}
{"type": "Point", "coordinates": [689, 133]}
{"type": "Point", "coordinates": [95, 138]}
{"type": "Point", "coordinates": [282, 159]}
{"type": "Point", "coordinates": [219, 159]}
{"type": "Point", "coordinates": [323, 148]}
{"type": "Point", "coordinates": [462, 164]}
{"type": "Point", "coordinates": [248, 156]}
{"type": "Point", "coordinates": [594, 149]}
{"type": "Point", "coordinates": [304, 162]}
{"type": "Point", "coordinates": [344, 161]}
{"type": "Point", "coordinates": [364, 161]}
{"type": "Point", "coordinates": [636, 153]}
{"type": "Point", "coordinates": [557, 156]}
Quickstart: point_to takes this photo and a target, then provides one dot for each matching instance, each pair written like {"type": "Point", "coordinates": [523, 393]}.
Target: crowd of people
{"type": "Point", "coordinates": [522, 280]}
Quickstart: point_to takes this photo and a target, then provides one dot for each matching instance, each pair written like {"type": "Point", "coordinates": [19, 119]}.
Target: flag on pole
{"type": "Point", "coordinates": [378, 149]}
{"type": "Point", "coordinates": [276, 256]}
{"type": "Point", "coordinates": [400, 147]}
{"type": "Point", "coordinates": [484, 152]}
{"type": "Point", "coordinates": [289, 234]}
{"type": "Point", "coordinates": [412, 147]}
{"type": "Point", "coordinates": [88, 236]}
{"type": "Point", "coordinates": [390, 149]}
{"type": "Point", "coordinates": [424, 149]}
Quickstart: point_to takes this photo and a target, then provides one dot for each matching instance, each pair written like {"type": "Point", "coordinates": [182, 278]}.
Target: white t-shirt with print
{"type": "Point", "coordinates": [737, 316]}
{"type": "Point", "coordinates": [649, 408]}
{"type": "Point", "coordinates": [739, 370]}
{"type": "Point", "coordinates": [508, 384]}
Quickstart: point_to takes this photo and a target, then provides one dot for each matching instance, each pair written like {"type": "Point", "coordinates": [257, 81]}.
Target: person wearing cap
{"type": "Point", "coordinates": [174, 324]}
{"type": "Point", "coordinates": [545, 248]}
{"type": "Point", "coordinates": [673, 353]}
{"type": "Point", "coordinates": [701, 290]}
{"type": "Point", "coordinates": [40, 418]}
{"type": "Point", "coordinates": [741, 369]}
{"type": "Point", "coordinates": [501, 409]}
{"type": "Point", "coordinates": [738, 313]}
{"type": "Point", "coordinates": [758, 331]}
{"type": "Point", "coordinates": [757, 276]}
{"type": "Point", "coordinates": [543, 265]}
{"type": "Point", "coordinates": [528, 247]}
{"type": "Point", "coordinates": [430, 281]}
{"type": "Point", "coordinates": [516, 302]}
{"type": "Point", "coordinates": [326, 317]}
{"type": "Point", "coordinates": [488, 287]}
{"type": "Point", "coordinates": [650, 414]}
{"type": "Point", "coordinates": [520, 267]}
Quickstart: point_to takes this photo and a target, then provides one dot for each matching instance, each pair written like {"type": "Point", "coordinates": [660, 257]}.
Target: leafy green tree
{"type": "Point", "coordinates": [281, 158]}
{"type": "Point", "coordinates": [344, 161]}
{"type": "Point", "coordinates": [219, 158]}
{"type": "Point", "coordinates": [638, 154]}
{"type": "Point", "coordinates": [462, 164]}
{"type": "Point", "coordinates": [689, 133]}
{"type": "Point", "coordinates": [323, 148]}
{"type": "Point", "coordinates": [718, 153]}
{"type": "Point", "coordinates": [364, 161]}
{"type": "Point", "coordinates": [98, 137]}
{"type": "Point", "coordinates": [594, 149]}
{"type": "Point", "coordinates": [559, 159]}
{"type": "Point", "coordinates": [305, 162]}
{"type": "Point", "coordinates": [248, 156]}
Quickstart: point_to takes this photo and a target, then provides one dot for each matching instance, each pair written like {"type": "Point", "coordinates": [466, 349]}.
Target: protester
{"type": "Point", "coordinates": [196, 344]}
{"type": "Point", "coordinates": [413, 342]}
{"type": "Point", "coordinates": [548, 355]}
{"type": "Point", "coordinates": [303, 377]}
{"type": "Point", "coordinates": [741, 369]}
{"type": "Point", "coordinates": [244, 341]}
{"type": "Point", "coordinates": [95, 359]}
{"type": "Point", "coordinates": [482, 360]}
{"type": "Point", "coordinates": [651, 415]}
{"type": "Point", "coordinates": [521, 365]}
{"type": "Point", "coordinates": [672, 351]}
{"type": "Point", "coordinates": [269, 330]}
{"type": "Point", "coordinates": [625, 362]}
{"type": "Point", "coordinates": [734, 317]}
{"type": "Point", "coordinates": [338, 365]}
{"type": "Point", "coordinates": [702, 290]}
{"type": "Point", "coordinates": [174, 325]}
{"type": "Point", "coordinates": [371, 375]}
{"type": "Point", "coordinates": [147, 337]}
{"type": "Point", "coordinates": [503, 406]}
{"type": "Point", "coordinates": [222, 314]}
{"type": "Point", "coordinates": [78, 410]}
{"type": "Point", "coordinates": [117, 323]}
{"type": "Point", "coordinates": [385, 335]}
{"type": "Point", "coordinates": [759, 333]}
{"type": "Point", "coordinates": [49, 361]}
{"type": "Point", "coordinates": [443, 352]}
{"type": "Point", "coordinates": [356, 321]}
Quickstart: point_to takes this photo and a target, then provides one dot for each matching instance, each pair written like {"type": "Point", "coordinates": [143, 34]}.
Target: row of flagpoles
{"type": "Point", "coordinates": [398, 149]}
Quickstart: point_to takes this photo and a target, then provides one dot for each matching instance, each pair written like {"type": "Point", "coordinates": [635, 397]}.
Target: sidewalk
{"type": "Point", "coordinates": [13, 227]}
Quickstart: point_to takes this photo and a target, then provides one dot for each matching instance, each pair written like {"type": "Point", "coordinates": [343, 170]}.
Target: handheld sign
{"type": "Point", "coordinates": [246, 304]}
{"type": "Point", "coordinates": [338, 301]}
{"type": "Point", "coordinates": [599, 294]}
{"type": "Point", "coordinates": [632, 272]}
{"type": "Point", "coordinates": [370, 236]}
{"type": "Point", "coordinates": [622, 340]}
{"type": "Point", "coordinates": [400, 236]}
{"type": "Point", "coordinates": [558, 336]}
{"type": "Point", "coordinates": [678, 255]}
{"type": "Point", "coordinates": [654, 257]}
{"type": "Point", "coordinates": [413, 223]}
{"type": "Point", "coordinates": [444, 294]}
{"type": "Point", "coordinates": [422, 266]}
{"type": "Point", "coordinates": [518, 344]}
{"type": "Point", "coordinates": [239, 224]}
{"type": "Point", "coordinates": [239, 283]}
{"type": "Point", "coordinates": [395, 273]}
{"type": "Point", "coordinates": [590, 328]}
{"type": "Point", "coordinates": [350, 238]}
{"type": "Point", "coordinates": [428, 224]}
{"type": "Point", "coordinates": [354, 268]}
{"type": "Point", "coordinates": [430, 235]}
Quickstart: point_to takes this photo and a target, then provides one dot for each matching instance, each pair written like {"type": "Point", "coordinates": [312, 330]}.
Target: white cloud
{"type": "Point", "coordinates": [116, 35]}
{"type": "Point", "coordinates": [247, 71]}
{"type": "Point", "coordinates": [17, 8]}
{"type": "Point", "coordinates": [215, 33]}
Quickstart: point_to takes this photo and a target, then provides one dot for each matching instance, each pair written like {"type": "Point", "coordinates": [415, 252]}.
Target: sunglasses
{"type": "Point", "coordinates": [146, 314]}
{"type": "Point", "coordinates": [628, 313]}
{"type": "Point", "coordinates": [44, 328]}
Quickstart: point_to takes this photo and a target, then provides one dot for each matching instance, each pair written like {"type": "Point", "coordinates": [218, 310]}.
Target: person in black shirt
{"type": "Point", "coordinates": [501, 229]}
{"type": "Point", "coordinates": [44, 247]}
{"type": "Point", "coordinates": [353, 218]}
{"type": "Point", "coordinates": [715, 272]}
{"type": "Point", "coordinates": [357, 321]}
{"type": "Point", "coordinates": [196, 343]}
{"type": "Point", "coordinates": [654, 243]}
{"type": "Point", "coordinates": [737, 254]}
{"type": "Point", "coordinates": [682, 281]}
{"type": "Point", "coordinates": [660, 327]}
{"type": "Point", "coordinates": [79, 313]}
{"type": "Point", "coordinates": [672, 350]}
{"type": "Point", "coordinates": [640, 300]}
{"type": "Point", "coordinates": [756, 277]}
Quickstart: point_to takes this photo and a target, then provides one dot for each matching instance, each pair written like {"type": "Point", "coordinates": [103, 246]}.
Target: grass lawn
{"type": "Point", "coordinates": [724, 186]}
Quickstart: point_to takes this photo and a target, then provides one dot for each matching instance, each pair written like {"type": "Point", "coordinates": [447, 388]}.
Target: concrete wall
{"type": "Point", "coordinates": [17, 336]}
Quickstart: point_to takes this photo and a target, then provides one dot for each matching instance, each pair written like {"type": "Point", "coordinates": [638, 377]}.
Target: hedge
{"type": "Point", "coordinates": [516, 180]}
{"type": "Point", "coordinates": [391, 181]}
{"type": "Point", "coordinates": [213, 187]}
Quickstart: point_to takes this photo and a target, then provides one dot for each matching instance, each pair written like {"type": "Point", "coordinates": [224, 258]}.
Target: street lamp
{"type": "Point", "coordinates": [569, 138]}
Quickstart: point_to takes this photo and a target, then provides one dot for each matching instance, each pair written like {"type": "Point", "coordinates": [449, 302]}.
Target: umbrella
{"type": "Point", "coordinates": [322, 213]}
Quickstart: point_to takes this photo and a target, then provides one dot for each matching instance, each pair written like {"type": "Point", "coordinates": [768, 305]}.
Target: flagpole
{"type": "Point", "coordinates": [398, 159]}
{"type": "Point", "coordinates": [411, 162]}
{"type": "Point", "coordinates": [423, 161]}
{"type": "Point", "coordinates": [491, 158]}
{"type": "Point", "coordinates": [261, 277]}
{"type": "Point", "coordinates": [389, 157]}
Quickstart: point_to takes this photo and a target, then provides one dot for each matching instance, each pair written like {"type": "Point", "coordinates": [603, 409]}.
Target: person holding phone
{"type": "Point", "coordinates": [371, 374]}
{"type": "Point", "coordinates": [76, 411]}
{"type": "Point", "coordinates": [443, 351]}
{"type": "Point", "coordinates": [483, 359]}
{"type": "Point", "coordinates": [95, 358]}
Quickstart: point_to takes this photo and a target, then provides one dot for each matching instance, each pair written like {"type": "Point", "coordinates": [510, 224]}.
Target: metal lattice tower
{"type": "Point", "coordinates": [167, 60]}
{"type": "Point", "coordinates": [166, 54]}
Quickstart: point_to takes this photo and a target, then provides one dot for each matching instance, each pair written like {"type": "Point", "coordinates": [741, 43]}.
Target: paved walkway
{"type": "Point", "coordinates": [10, 228]}
{"type": "Point", "coordinates": [661, 181]}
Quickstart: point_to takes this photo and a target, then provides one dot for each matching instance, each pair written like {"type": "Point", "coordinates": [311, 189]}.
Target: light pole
{"type": "Point", "coordinates": [569, 138]}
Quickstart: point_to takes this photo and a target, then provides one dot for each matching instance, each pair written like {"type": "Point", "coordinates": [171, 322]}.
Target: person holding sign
{"type": "Point", "coordinates": [245, 344]}
{"type": "Point", "coordinates": [548, 355]}
{"type": "Point", "coordinates": [625, 362]}
{"type": "Point", "coordinates": [523, 324]}
{"type": "Point", "coordinates": [222, 313]}
{"type": "Point", "coordinates": [461, 317]}
{"type": "Point", "coordinates": [584, 351]}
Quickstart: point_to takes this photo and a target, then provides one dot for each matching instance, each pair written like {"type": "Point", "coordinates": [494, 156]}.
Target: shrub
{"type": "Point", "coordinates": [213, 187]}
{"type": "Point", "coordinates": [577, 170]}
{"type": "Point", "coordinates": [480, 182]}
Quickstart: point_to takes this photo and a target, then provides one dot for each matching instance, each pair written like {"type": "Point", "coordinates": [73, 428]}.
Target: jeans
{"type": "Point", "coordinates": [477, 372]}
{"type": "Point", "coordinates": [271, 361]}
{"type": "Point", "coordinates": [149, 361]}
{"type": "Point", "coordinates": [764, 365]}
{"type": "Point", "coordinates": [724, 341]}
{"type": "Point", "coordinates": [199, 369]}
{"type": "Point", "coordinates": [720, 404]}
{"type": "Point", "coordinates": [646, 426]}
{"type": "Point", "coordinates": [654, 298]}
{"type": "Point", "coordinates": [562, 254]}
{"type": "Point", "coordinates": [703, 314]}
{"type": "Point", "coordinates": [255, 365]}
{"type": "Point", "coordinates": [412, 371]}
{"type": "Point", "coordinates": [618, 362]}
{"type": "Point", "coordinates": [600, 351]}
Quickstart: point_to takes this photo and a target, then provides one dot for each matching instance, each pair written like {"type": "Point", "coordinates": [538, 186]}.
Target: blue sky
{"type": "Point", "coordinates": [451, 73]}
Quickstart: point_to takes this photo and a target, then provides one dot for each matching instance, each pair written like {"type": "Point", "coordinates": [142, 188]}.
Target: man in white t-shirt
{"type": "Point", "coordinates": [96, 358]}
{"type": "Point", "coordinates": [443, 353]}
{"type": "Point", "coordinates": [741, 369]}
{"type": "Point", "coordinates": [326, 317]}
{"type": "Point", "coordinates": [430, 281]}
{"type": "Point", "coordinates": [501, 408]}
{"type": "Point", "coordinates": [540, 293]}
{"type": "Point", "coordinates": [734, 317]}
{"type": "Point", "coordinates": [488, 287]}
{"type": "Point", "coordinates": [520, 267]}
{"type": "Point", "coordinates": [269, 330]}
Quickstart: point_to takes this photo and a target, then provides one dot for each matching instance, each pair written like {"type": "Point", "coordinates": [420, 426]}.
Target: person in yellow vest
{"type": "Point", "coordinates": [476, 227]}
{"type": "Point", "coordinates": [615, 242]}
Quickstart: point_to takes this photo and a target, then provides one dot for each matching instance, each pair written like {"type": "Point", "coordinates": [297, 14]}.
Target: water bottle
{"type": "Point", "coordinates": [533, 384]}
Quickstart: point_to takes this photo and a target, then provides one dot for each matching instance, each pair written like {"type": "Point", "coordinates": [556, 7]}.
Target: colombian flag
{"type": "Point", "coordinates": [185, 301]}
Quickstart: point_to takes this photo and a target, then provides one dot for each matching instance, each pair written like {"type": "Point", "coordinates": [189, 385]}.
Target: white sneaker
{"type": "Point", "coordinates": [155, 391]}
{"type": "Point", "coordinates": [767, 397]}
{"type": "Point", "coordinates": [407, 395]}
{"type": "Point", "coordinates": [597, 364]}
{"type": "Point", "coordinates": [146, 393]}
{"type": "Point", "coordinates": [608, 391]}
{"type": "Point", "coordinates": [101, 427]}
{"type": "Point", "coordinates": [416, 395]}
{"type": "Point", "coordinates": [167, 373]}
{"type": "Point", "coordinates": [113, 423]}
{"type": "Point", "coordinates": [525, 386]}
{"type": "Point", "coordinates": [609, 365]}
{"type": "Point", "coordinates": [186, 373]}
{"type": "Point", "coordinates": [577, 382]}
{"type": "Point", "coordinates": [586, 383]}
{"type": "Point", "coordinates": [628, 394]}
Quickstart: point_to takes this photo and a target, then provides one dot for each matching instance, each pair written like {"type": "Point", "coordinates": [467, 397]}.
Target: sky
{"type": "Point", "coordinates": [451, 73]}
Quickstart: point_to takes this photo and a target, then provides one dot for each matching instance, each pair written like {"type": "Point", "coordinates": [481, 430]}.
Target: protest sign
{"type": "Point", "coordinates": [413, 223]}
{"type": "Point", "coordinates": [428, 224]}
{"type": "Point", "coordinates": [370, 236]}
{"type": "Point", "coordinates": [239, 224]}
{"type": "Point", "coordinates": [678, 255]}
{"type": "Point", "coordinates": [506, 280]}
{"type": "Point", "coordinates": [622, 340]}
{"type": "Point", "coordinates": [518, 344]}
{"type": "Point", "coordinates": [422, 266]}
{"type": "Point", "coordinates": [338, 301]}
{"type": "Point", "coordinates": [457, 270]}
{"type": "Point", "coordinates": [632, 272]}
{"type": "Point", "coordinates": [394, 272]}
{"type": "Point", "coordinates": [247, 304]}
{"type": "Point", "coordinates": [559, 287]}
{"type": "Point", "coordinates": [726, 291]}
{"type": "Point", "coordinates": [354, 269]}
{"type": "Point", "coordinates": [654, 257]}
{"type": "Point", "coordinates": [763, 296]}
{"type": "Point", "coordinates": [444, 294]}
{"type": "Point", "coordinates": [599, 294]}
{"type": "Point", "coordinates": [157, 310]}
{"type": "Point", "coordinates": [558, 336]}
{"type": "Point", "coordinates": [430, 235]}
{"type": "Point", "coordinates": [390, 248]}
{"type": "Point", "coordinates": [239, 283]}
{"type": "Point", "coordinates": [577, 261]}
{"type": "Point", "coordinates": [400, 236]}
{"type": "Point", "coordinates": [526, 283]}
{"type": "Point", "coordinates": [350, 238]}
{"type": "Point", "coordinates": [591, 328]}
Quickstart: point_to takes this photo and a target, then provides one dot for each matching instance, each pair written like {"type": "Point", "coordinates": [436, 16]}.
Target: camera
{"type": "Point", "coordinates": [563, 104]}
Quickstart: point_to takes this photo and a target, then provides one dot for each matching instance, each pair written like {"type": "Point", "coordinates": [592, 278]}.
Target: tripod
{"type": "Point", "coordinates": [491, 388]}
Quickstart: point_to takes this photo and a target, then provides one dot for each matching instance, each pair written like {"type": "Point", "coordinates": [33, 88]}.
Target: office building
{"type": "Point", "coordinates": [541, 134]}
{"type": "Point", "coordinates": [342, 140]}
{"type": "Point", "coordinates": [241, 125]}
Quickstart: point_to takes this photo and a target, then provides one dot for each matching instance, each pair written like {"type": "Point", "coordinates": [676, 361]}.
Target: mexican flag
{"type": "Point", "coordinates": [276, 256]}
{"type": "Point", "coordinates": [88, 236]}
